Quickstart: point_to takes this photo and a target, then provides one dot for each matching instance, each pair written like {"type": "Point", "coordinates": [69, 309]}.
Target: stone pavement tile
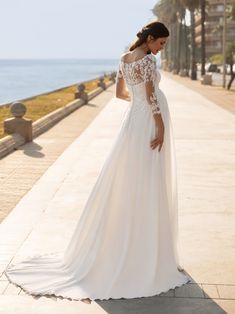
{"type": "Point", "coordinates": [170, 293]}
{"type": "Point", "coordinates": [12, 290]}
{"type": "Point", "coordinates": [191, 290]}
{"type": "Point", "coordinates": [22, 292]}
{"type": "Point", "coordinates": [20, 180]}
{"type": "Point", "coordinates": [207, 241]}
{"type": "Point", "coordinates": [210, 291]}
{"type": "Point", "coordinates": [5, 257]}
{"type": "Point", "coordinates": [227, 305]}
{"type": "Point", "coordinates": [3, 277]}
{"type": "Point", "coordinates": [3, 285]}
{"type": "Point", "coordinates": [18, 190]}
{"type": "Point", "coordinates": [6, 205]}
{"type": "Point", "coordinates": [23, 171]}
{"type": "Point", "coordinates": [226, 291]}
{"type": "Point", "coordinates": [162, 305]}
{"type": "Point", "coordinates": [25, 304]}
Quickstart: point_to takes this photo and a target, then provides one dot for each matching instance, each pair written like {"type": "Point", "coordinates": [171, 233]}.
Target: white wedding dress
{"type": "Point", "coordinates": [125, 244]}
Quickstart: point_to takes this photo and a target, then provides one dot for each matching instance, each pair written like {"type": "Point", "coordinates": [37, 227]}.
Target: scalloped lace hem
{"type": "Point", "coordinates": [53, 294]}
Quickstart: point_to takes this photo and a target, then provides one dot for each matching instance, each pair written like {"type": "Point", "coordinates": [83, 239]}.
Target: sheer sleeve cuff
{"type": "Point", "coordinates": [154, 104]}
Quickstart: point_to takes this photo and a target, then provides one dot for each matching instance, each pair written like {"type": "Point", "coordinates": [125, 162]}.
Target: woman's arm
{"type": "Point", "coordinates": [121, 89]}
{"type": "Point", "coordinates": [152, 100]}
{"type": "Point", "coordinates": [149, 79]}
{"type": "Point", "coordinates": [123, 94]}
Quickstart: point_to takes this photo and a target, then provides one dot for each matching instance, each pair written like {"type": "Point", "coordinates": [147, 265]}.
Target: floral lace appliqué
{"type": "Point", "coordinates": [144, 71]}
{"type": "Point", "coordinates": [154, 103]}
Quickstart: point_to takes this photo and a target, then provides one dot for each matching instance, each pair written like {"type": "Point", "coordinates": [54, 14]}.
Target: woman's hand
{"type": "Point", "coordinates": [159, 138]}
{"type": "Point", "coordinates": [124, 96]}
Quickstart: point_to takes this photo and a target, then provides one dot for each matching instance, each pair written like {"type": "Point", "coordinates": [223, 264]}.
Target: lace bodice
{"type": "Point", "coordinates": [141, 74]}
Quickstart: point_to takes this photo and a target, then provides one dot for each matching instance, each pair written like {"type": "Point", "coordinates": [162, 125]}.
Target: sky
{"type": "Point", "coordinates": [54, 29]}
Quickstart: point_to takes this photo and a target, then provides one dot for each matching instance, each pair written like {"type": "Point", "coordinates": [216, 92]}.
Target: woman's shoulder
{"type": "Point", "coordinates": [131, 56]}
{"type": "Point", "coordinates": [125, 56]}
{"type": "Point", "coordinates": [147, 60]}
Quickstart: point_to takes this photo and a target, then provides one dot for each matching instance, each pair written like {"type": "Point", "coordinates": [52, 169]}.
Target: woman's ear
{"type": "Point", "coordinates": [150, 37]}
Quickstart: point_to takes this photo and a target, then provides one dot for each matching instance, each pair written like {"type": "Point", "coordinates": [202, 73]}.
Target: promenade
{"type": "Point", "coordinates": [45, 184]}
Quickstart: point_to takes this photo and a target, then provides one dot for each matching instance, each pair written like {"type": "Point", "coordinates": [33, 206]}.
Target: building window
{"type": "Point", "coordinates": [220, 8]}
{"type": "Point", "coordinates": [218, 44]}
{"type": "Point", "coordinates": [231, 32]}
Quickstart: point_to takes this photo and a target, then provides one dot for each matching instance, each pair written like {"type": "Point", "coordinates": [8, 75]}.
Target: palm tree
{"type": "Point", "coordinates": [161, 10]}
{"type": "Point", "coordinates": [171, 13]}
{"type": "Point", "coordinates": [181, 17]}
{"type": "Point", "coordinates": [192, 5]}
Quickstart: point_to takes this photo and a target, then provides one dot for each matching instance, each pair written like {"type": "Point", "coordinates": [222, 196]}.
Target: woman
{"type": "Point", "coordinates": [125, 242]}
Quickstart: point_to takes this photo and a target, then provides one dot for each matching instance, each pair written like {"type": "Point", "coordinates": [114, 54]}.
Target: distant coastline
{"type": "Point", "coordinates": [22, 78]}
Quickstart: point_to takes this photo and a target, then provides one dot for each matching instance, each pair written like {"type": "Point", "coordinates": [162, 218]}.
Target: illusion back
{"type": "Point", "coordinates": [142, 80]}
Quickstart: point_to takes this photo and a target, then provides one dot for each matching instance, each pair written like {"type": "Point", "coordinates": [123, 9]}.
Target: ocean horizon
{"type": "Point", "coordinates": [23, 78]}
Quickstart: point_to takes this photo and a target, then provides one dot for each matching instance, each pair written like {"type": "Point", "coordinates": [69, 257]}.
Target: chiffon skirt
{"type": "Point", "coordinates": [125, 244]}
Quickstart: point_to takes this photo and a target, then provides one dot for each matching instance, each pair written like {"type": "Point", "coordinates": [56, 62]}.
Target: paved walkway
{"type": "Point", "coordinates": [217, 94]}
{"type": "Point", "coordinates": [21, 169]}
{"type": "Point", "coordinates": [45, 217]}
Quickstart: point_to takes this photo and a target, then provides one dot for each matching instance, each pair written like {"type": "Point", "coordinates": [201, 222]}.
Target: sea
{"type": "Point", "coordinates": [21, 79]}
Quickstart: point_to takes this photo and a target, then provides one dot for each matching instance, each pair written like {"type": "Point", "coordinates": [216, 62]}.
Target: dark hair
{"type": "Point", "coordinates": [156, 29]}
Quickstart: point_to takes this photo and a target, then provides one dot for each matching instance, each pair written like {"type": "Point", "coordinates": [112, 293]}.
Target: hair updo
{"type": "Point", "coordinates": [155, 29]}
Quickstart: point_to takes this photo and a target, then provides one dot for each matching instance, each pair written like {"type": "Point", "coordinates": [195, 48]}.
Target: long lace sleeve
{"type": "Point", "coordinates": [150, 74]}
{"type": "Point", "coordinates": [121, 88]}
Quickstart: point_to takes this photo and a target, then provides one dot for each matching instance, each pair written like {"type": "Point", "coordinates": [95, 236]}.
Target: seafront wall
{"type": "Point", "coordinates": [21, 130]}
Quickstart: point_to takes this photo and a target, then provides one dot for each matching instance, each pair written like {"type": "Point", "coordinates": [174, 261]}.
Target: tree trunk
{"type": "Point", "coordinates": [179, 67]}
{"type": "Point", "coordinates": [171, 48]}
{"type": "Point", "coordinates": [232, 76]}
{"type": "Point", "coordinates": [186, 63]}
{"type": "Point", "coordinates": [193, 51]}
{"type": "Point", "coordinates": [203, 47]}
{"type": "Point", "coordinates": [175, 46]}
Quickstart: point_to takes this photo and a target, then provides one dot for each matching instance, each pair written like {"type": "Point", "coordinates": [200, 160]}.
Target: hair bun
{"type": "Point", "coordinates": [143, 31]}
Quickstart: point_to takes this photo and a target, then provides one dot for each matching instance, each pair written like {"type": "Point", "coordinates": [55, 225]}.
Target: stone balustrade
{"type": "Point", "coordinates": [18, 124]}
{"type": "Point", "coordinates": [21, 129]}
